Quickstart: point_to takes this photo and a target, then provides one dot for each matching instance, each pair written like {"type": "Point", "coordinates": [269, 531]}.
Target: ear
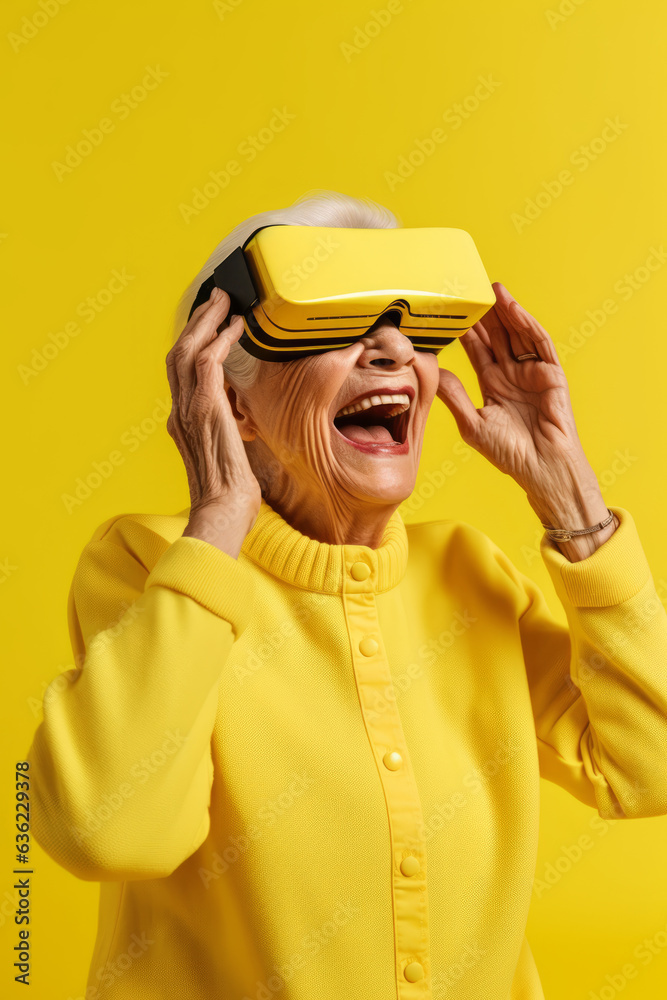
{"type": "Point", "coordinates": [246, 427]}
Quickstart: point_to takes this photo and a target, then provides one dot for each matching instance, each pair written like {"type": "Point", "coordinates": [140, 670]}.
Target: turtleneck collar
{"type": "Point", "coordinates": [286, 553]}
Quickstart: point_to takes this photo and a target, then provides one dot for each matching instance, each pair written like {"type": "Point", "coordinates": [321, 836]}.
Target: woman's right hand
{"type": "Point", "coordinates": [225, 495]}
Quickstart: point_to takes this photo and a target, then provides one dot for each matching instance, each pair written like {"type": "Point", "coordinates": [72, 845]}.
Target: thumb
{"type": "Point", "coordinates": [452, 392]}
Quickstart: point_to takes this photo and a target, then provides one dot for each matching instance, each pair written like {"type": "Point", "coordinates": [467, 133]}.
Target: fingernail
{"type": "Point", "coordinates": [216, 294]}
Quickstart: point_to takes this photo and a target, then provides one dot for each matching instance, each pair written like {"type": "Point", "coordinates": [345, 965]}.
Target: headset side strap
{"type": "Point", "coordinates": [233, 276]}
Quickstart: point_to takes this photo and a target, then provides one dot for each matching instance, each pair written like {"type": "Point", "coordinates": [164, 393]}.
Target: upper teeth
{"type": "Point", "coordinates": [402, 401]}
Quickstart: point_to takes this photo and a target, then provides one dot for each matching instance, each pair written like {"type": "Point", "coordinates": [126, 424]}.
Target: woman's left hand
{"type": "Point", "coordinates": [526, 427]}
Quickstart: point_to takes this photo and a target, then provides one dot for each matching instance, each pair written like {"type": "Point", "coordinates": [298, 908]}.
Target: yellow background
{"type": "Point", "coordinates": [557, 79]}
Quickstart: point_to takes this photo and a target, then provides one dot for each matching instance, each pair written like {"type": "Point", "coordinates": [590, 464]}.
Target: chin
{"type": "Point", "coordinates": [386, 486]}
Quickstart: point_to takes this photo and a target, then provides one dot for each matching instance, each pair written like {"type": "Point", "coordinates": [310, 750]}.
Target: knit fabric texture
{"type": "Point", "coordinates": [312, 773]}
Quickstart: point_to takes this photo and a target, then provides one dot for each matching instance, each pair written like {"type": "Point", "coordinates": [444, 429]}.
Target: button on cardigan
{"type": "Point", "coordinates": [312, 773]}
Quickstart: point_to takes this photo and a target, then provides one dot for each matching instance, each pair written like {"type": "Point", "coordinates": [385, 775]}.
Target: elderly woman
{"type": "Point", "coordinates": [302, 744]}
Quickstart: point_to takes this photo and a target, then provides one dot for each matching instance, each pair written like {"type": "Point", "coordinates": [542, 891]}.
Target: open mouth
{"type": "Point", "coordinates": [377, 419]}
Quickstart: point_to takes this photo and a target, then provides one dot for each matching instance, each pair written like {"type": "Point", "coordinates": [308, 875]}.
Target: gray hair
{"type": "Point", "coordinates": [314, 208]}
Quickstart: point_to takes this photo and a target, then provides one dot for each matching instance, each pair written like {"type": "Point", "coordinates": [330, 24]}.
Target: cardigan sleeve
{"type": "Point", "coordinates": [599, 687]}
{"type": "Point", "coordinates": [121, 767]}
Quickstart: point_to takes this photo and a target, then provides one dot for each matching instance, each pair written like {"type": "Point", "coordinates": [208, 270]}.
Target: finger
{"type": "Point", "coordinates": [453, 394]}
{"type": "Point", "coordinates": [209, 371]}
{"type": "Point", "coordinates": [494, 333]}
{"type": "Point", "coordinates": [529, 329]}
{"type": "Point", "coordinates": [478, 350]}
{"type": "Point", "coordinates": [484, 337]}
{"type": "Point", "coordinates": [210, 397]}
{"type": "Point", "coordinates": [217, 295]}
{"type": "Point", "coordinates": [174, 426]}
{"type": "Point", "coordinates": [196, 335]}
{"type": "Point", "coordinates": [506, 341]}
{"type": "Point", "coordinates": [518, 326]}
{"type": "Point", "coordinates": [181, 351]}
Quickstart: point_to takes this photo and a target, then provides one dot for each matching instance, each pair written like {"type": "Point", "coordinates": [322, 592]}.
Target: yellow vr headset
{"type": "Point", "coordinates": [305, 289]}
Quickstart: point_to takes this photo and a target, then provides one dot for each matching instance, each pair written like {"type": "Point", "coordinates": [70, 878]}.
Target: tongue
{"type": "Point", "coordinates": [371, 433]}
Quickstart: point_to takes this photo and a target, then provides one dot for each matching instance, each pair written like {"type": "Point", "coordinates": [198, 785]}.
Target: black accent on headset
{"type": "Point", "coordinates": [251, 347]}
{"type": "Point", "coordinates": [233, 276]}
{"type": "Point", "coordinates": [266, 353]}
{"type": "Point", "coordinates": [260, 346]}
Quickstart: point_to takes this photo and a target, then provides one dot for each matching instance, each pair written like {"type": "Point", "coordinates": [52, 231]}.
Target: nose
{"type": "Point", "coordinates": [384, 346]}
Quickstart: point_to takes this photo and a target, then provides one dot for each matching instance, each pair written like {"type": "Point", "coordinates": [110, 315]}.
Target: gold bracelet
{"type": "Point", "coordinates": [564, 534]}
